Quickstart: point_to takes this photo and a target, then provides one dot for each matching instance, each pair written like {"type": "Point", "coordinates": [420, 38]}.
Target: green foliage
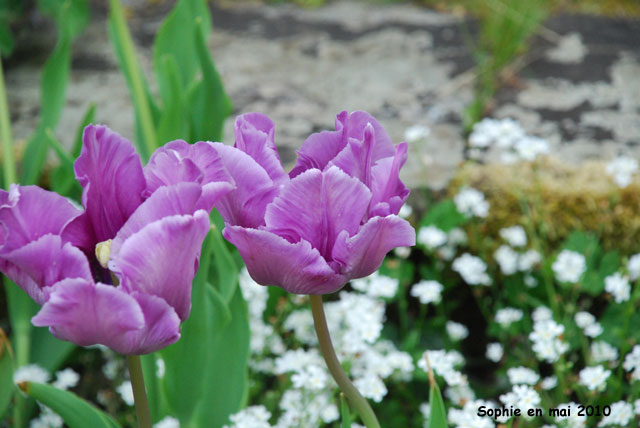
{"type": "Point", "coordinates": [10, 10]}
{"type": "Point", "coordinates": [6, 374]}
{"type": "Point", "coordinates": [438, 414]}
{"type": "Point", "coordinates": [344, 413]}
{"type": "Point", "coordinates": [76, 412]}
{"type": "Point", "coordinates": [444, 216]}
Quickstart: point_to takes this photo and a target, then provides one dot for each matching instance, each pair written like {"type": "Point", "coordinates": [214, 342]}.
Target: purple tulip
{"type": "Point", "coordinates": [118, 273]}
{"type": "Point", "coordinates": [332, 219]}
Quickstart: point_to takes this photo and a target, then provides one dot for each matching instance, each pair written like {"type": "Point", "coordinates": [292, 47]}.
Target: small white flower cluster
{"type": "Point", "coordinates": [514, 236]}
{"type": "Point", "coordinates": [567, 413]}
{"type": "Point", "coordinates": [471, 203]}
{"type": "Point", "coordinates": [523, 397]}
{"type": "Point", "coordinates": [546, 340]}
{"type": "Point", "coordinates": [594, 378]}
{"type": "Point", "coordinates": [602, 352]}
{"type": "Point", "coordinates": [569, 266]}
{"type": "Point", "coordinates": [472, 269]}
{"type": "Point", "coordinates": [46, 419]}
{"type": "Point", "coordinates": [126, 392]}
{"type": "Point", "coordinates": [621, 414]}
{"type": "Point", "coordinates": [508, 138]}
{"type": "Point", "coordinates": [622, 169]}
{"type": "Point", "coordinates": [522, 375]}
{"type": "Point", "coordinates": [632, 362]}
{"type": "Point", "coordinates": [467, 417]}
{"type": "Point", "coordinates": [587, 322]}
{"type": "Point", "coordinates": [443, 243]}
{"type": "Point", "coordinates": [444, 364]}
{"type": "Point", "coordinates": [427, 291]}
{"type": "Point", "coordinates": [167, 422]}
{"type": "Point", "coordinates": [456, 331]}
{"type": "Point", "coordinates": [507, 316]}
{"type": "Point", "coordinates": [416, 133]}
{"type": "Point", "coordinates": [431, 237]}
{"type": "Point", "coordinates": [376, 285]}
{"type": "Point", "coordinates": [618, 286]}
{"type": "Point", "coordinates": [30, 373]}
{"type": "Point", "coordinates": [633, 266]}
{"type": "Point", "coordinates": [494, 352]}
{"type": "Point", "coordinates": [250, 417]}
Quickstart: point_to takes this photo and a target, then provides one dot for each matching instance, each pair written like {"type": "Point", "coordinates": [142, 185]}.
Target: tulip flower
{"type": "Point", "coordinates": [119, 272]}
{"type": "Point", "coordinates": [331, 219]}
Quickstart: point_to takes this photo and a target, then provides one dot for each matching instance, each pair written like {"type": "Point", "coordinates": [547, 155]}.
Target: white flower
{"type": "Point", "coordinates": [66, 379]}
{"type": "Point", "coordinates": [402, 252]}
{"type": "Point", "coordinates": [507, 259]}
{"type": "Point", "coordinates": [528, 260]}
{"type": "Point", "coordinates": [494, 352]}
{"type": "Point", "coordinates": [456, 331]}
{"type": "Point", "coordinates": [514, 235]}
{"type": "Point", "coordinates": [530, 281]}
{"type": "Point", "coordinates": [618, 286]}
{"type": "Point", "coordinates": [416, 133]}
{"type": "Point", "coordinates": [255, 294]}
{"type": "Point", "coordinates": [569, 266]}
{"type": "Point", "coordinates": [568, 412]}
{"type": "Point", "coordinates": [622, 170]}
{"type": "Point", "coordinates": [602, 352]}
{"type": "Point", "coordinates": [443, 363]}
{"type": "Point", "coordinates": [522, 396]}
{"type": "Point", "coordinates": [594, 378]}
{"type": "Point", "coordinates": [634, 267]}
{"type": "Point", "coordinates": [584, 319]}
{"type": "Point", "coordinates": [311, 377]}
{"type": "Point", "coordinates": [541, 313]}
{"type": "Point", "coordinates": [47, 419]}
{"type": "Point", "coordinates": [168, 422]}
{"type": "Point", "coordinates": [126, 392]}
{"type": "Point", "coordinates": [457, 236]}
{"type": "Point", "coordinates": [593, 330]}
{"type": "Point", "coordinates": [31, 373]}
{"type": "Point", "coordinates": [161, 367]}
{"type": "Point", "coordinates": [546, 342]}
{"type": "Point", "coordinates": [621, 414]}
{"type": "Point", "coordinates": [522, 375]}
{"type": "Point", "coordinates": [471, 202]}
{"type": "Point", "coordinates": [506, 316]}
{"type": "Point", "coordinates": [251, 417]}
{"type": "Point", "coordinates": [371, 387]}
{"type": "Point", "coordinates": [636, 407]}
{"type": "Point", "coordinates": [472, 269]}
{"type": "Point", "coordinates": [431, 237]}
{"type": "Point", "coordinates": [632, 362]}
{"type": "Point", "coordinates": [549, 383]}
{"type": "Point", "coordinates": [405, 211]}
{"type": "Point", "coordinates": [427, 291]}
{"type": "Point", "coordinates": [529, 148]}
{"type": "Point", "coordinates": [376, 285]}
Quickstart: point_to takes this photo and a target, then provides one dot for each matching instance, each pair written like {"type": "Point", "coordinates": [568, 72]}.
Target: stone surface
{"type": "Point", "coordinates": [404, 64]}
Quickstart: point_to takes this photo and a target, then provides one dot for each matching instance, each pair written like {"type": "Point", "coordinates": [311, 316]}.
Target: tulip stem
{"type": "Point", "coordinates": [139, 392]}
{"type": "Point", "coordinates": [354, 397]}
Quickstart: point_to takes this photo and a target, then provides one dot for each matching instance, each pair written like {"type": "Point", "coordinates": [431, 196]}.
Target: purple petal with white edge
{"type": "Point", "coordinates": [87, 314]}
{"type": "Point", "coordinates": [110, 173]}
{"type": "Point", "coordinates": [362, 254]}
{"type": "Point", "coordinates": [29, 212]}
{"type": "Point", "coordinates": [316, 206]}
{"type": "Point", "coordinates": [319, 149]}
{"type": "Point", "coordinates": [161, 259]}
{"type": "Point", "coordinates": [245, 205]}
{"type": "Point", "coordinates": [389, 193]}
{"type": "Point", "coordinates": [356, 158]}
{"type": "Point", "coordinates": [254, 136]}
{"type": "Point", "coordinates": [272, 260]}
{"type": "Point", "coordinates": [180, 161]}
{"type": "Point", "coordinates": [42, 263]}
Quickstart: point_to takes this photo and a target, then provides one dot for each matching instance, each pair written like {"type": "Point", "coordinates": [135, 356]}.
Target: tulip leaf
{"type": "Point", "coordinates": [6, 375]}
{"type": "Point", "coordinates": [149, 371]}
{"type": "Point", "coordinates": [344, 412]}
{"type": "Point", "coordinates": [226, 377]}
{"type": "Point", "coordinates": [438, 413]}
{"type": "Point", "coordinates": [172, 123]}
{"type": "Point", "coordinates": [226, 269]}
{"type": "Point", "coordinates": [210, 105]}
{"type": "Point", "coordinates": [49, 352]}
{"type": "Point", "coordinates": [444, 216]}
{"type": "Point", "coordinates": [88, 118]}
{"type": "Point", "coordinates": [76, 412]}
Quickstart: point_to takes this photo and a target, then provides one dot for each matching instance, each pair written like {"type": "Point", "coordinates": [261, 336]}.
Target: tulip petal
{"type": "Point", "coordinates": [356, 158]}
{"type": "Point", "coordinates": [87, 314]}
{"type": "Point", "coordinates": [42, 263]}
{"type": "Point", "coordinates": [254, 136]}
{"type": "Point", "coordinates": [389, 193]}
{"type": "Point", "coordinates": [246, 203]}
{"type": "Point", "coordinates": [316, 206]}
{"type": "Point", "coordinates": [161, 259]}
{"type": "Point", "coordinates": [362, 254]}
{"type": "Point", "coordinates": [272, 260]}
{"type": "Point", "coordinates": [319, 149]}
{"type": "Point", "coordinates": [29, 212]}
{"type": "Point", "coordinates": [110, 173]}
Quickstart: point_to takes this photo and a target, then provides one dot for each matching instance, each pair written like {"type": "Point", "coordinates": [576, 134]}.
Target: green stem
{"type": "Point", "coordinates": [132, 69]}
{"type": "Point", "coordinates": [8, 162]}
{"type": "Point", "coordinates": [356, 400]}
{"type": "Point", "coordinates": [139, 393]}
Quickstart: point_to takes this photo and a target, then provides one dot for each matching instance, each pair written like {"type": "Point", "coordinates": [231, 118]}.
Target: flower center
{"type": "Point", "coordinates": [103, 252]}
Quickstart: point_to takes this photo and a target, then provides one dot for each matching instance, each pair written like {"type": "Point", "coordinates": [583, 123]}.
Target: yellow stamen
{"type": "Point", "coordinates": [103, 252]}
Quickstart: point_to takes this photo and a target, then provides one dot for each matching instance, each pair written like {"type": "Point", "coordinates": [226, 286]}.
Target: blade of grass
{"type": "Point", "coordinates": [8, 161]}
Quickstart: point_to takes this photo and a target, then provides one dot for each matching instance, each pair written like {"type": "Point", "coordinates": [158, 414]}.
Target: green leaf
{"type": "Point", "coordinates": [344, 412]}
{"type": "Point", "coordinates": [210, 105]}
{"type": "Point", "coordinates": [226, 383]}
{"type": "Point", "coordinates": [6, 375]}
{"type": "Point", "coordinates": [225, 267]}
{"type": "Point", "coordinates": [444, 216]}
{"type": "Point", "coordinates": [48, 351]}
{"type": "Point", "coordinates": [175, 40]}
{"type": "Point", "coordinates": [72, 14]}
{"type": "Point", "coordinates": [149, 371]}
{"type": "Point", "coordinates": [586, 244]}
{"type": "Point", "coordinates": [87, 118]}
{"type": "Point", "coordinates": [6, 38]}
{"type": "Point", "coordinates": [172, 123]}
{"type": "Point", "coordinates": [76, 412]}
{"type": "Point", "coordinates": [438, 414]}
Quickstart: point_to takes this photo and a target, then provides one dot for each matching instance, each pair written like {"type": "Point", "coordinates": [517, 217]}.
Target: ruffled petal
{"type": "Point", "coordinates": [389, 192]}
{"type": "Point", "coordinates": [356, 158]}
{"type": "Point", "coordinates": [87, 314]}
{"type": "Point", "coordinates": [29, 212]}
{"type": "Point", "coordinates": [246, 203]}
{"type": "Point", "coordinates": [362, 254]}
{"type": "Point", "coordinates": [319, 149]}
{"type": "Point", "coordinates": [42, 263]}
{"type": "Point", "coordinates": [316, 206]}
{"type": "Point", "coordinates": [254, 136]}
{"type": "Point", "coordinates": [272, 260]}
{"type": "Point", "coordinates": [161, 259]}
{"type": "Point", "coordinates": [179, 161]}
{"type": "Point", "coordinates": [110, 173]}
